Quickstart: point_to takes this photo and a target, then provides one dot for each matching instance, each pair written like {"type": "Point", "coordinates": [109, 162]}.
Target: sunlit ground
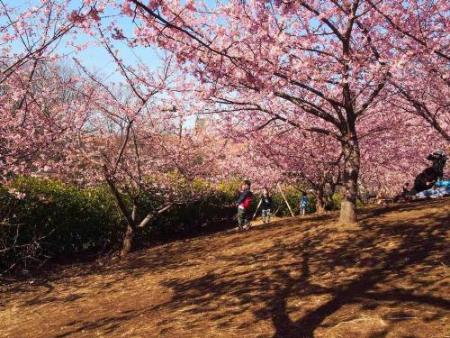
{"type": "Point", "coordinates": [291, 278]}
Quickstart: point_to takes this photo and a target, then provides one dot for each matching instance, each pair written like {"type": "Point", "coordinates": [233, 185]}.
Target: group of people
{"type": "Point", "coordinates": [244, 201]}
{"type": "Point", "coordinates": [430, 182]}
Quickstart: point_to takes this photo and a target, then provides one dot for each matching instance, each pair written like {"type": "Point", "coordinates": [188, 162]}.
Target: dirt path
{"type": "Point", "coordinates": [293, 278]}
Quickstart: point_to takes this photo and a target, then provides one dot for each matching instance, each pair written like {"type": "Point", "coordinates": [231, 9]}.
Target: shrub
{"type": "Point", "coordinates": [337, 199]}
{"type": "Point", "coordinates": [44, 218]}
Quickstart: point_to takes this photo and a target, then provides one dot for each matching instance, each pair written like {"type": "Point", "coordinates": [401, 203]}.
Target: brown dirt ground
{"type": "Point", "coordinates": [291, 278]}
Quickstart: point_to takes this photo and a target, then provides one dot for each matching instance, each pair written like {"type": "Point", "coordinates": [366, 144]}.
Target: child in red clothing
{"type": "Point", "coordinates": [243, 203]}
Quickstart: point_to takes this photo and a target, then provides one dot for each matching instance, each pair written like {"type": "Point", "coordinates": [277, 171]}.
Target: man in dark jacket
{"type": "Point", "coordinates": [243, 204]}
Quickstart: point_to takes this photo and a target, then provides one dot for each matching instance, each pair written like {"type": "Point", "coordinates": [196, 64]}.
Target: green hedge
{"type": "Point", "coordinates": [337, 198]}
{"type": "Point", "coordinates": [49, 219]}
{"type": "Point", "coordinates": [53, 220]}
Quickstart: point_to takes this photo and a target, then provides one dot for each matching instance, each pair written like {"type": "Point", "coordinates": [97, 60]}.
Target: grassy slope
{"type": "Point", "coordinates": [293, 278]}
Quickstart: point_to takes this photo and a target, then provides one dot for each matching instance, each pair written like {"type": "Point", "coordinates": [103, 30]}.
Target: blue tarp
{"type": "Point", "coordinates": [442, 184]}
{"type": "Point", "coordinates": [435, 192]}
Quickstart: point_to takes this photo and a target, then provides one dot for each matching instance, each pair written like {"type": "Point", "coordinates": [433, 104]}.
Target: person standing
{"type": "Point", "coordinates": [243, 205]}
{"type": "Point", "coordinates": [303, 204]}
{"type": "Point", "coordinates": [266, 206]}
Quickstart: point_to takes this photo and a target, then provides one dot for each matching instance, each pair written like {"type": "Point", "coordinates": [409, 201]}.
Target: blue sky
{"type": "Point", "coordinates": [96, 58]}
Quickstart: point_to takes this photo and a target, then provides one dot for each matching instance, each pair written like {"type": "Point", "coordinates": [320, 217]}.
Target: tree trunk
{"type": "Point", "coordinates": [349, 188]}
{"type": "Point", "coordinates": [320, 202]}
{"type": "Point", "coordinates": [127, 243]}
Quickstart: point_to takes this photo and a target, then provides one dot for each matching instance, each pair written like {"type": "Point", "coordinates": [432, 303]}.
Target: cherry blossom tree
{"type": "Point", "coordinates": [134, 139]}
{"type": "Point", "coordinates": [78, 127]}
{"type": "Point", "coordinates": [330, 60]}
{"type": "Point", "coordinates": [325, 59]}
{"type": "Point", "coordinates": [37, 103]}
{"type": "Point", "coordinates": [337, 73]}
{"type": "Point", "coordinates": [281, 153]}
{"type": "Point", "coordinates": [37, 117]}
{"type": "Point", "coordinates": [419, 31]}
{"type": "Point", "coordinates": [395, 151]}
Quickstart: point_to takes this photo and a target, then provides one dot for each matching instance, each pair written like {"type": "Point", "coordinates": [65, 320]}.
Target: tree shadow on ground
{"type": "Point", "coordinates": [367, 268]}
{"type": "Point", "coordinates": [297, 275]}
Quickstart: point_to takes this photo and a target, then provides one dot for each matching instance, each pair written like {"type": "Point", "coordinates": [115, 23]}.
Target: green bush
{"type": "Point", "coordinates": [47, 218]}
{"type": "Point", "coordinates": [228, 190]}
{"type": "Point", "coordinates": [42, 218]}
{"type": "Point", "coordinates": [337, 199]}
{"type": "Point", "coordinates": [212, 206]}
{"type": "Point", "coordinates": [190, 218]}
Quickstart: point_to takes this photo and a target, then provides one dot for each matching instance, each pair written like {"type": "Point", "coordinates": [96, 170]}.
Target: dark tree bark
{"type": "Point", "coordinates": [350, 181]}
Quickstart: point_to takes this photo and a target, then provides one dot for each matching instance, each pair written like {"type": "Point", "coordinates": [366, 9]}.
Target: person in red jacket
{"type": "Point", "coordinates": [243, 204]}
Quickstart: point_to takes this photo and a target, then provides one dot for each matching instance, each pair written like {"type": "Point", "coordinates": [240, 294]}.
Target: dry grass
{"type": "Point", "coordinates": [292, 278]}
